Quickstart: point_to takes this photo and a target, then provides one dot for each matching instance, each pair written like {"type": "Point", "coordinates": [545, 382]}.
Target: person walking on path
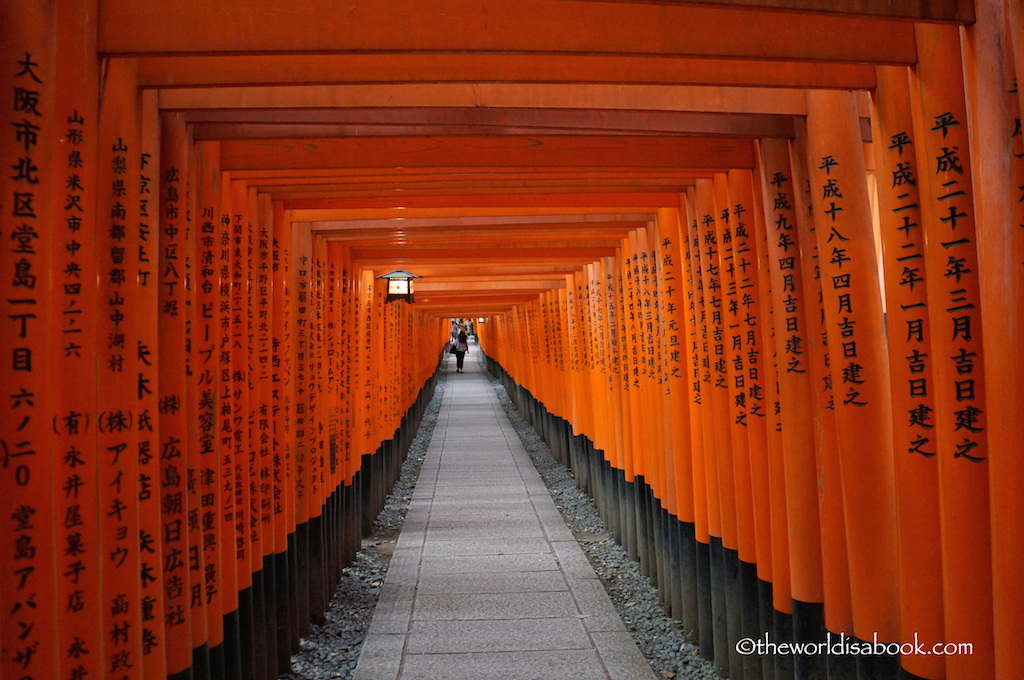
{"type": "Point", "coordinates": [461, 347]}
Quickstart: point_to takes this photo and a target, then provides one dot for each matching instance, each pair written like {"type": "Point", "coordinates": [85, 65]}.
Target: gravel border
{"type": "Point", "coordinates": [331, 649]}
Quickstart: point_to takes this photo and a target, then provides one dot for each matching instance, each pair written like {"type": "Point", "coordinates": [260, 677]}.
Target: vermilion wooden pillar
{"type": "Point", "coordinates": [615, 314]}
{"type": "Point", "coordinates": [713, 389]}
{"type": "Point", "coordinates": [282, 404]}
{"type": "Point", "coordinates": [992, 78]}
{"type": "Point", "coordinates": [174, 440]}
{"type": "Point", "coordinates": [232, 600]}
{"type": "Point", "coordinates": [120, 360]}
{"type": "Point", "coordinates": [954, 311]}
{"type": "Point", "coordinates": [673, 294]}
{"type": "Point", "coordinates": [748, 325]}
{"type": "Point", "coordinates": [76, 464]}
{"type": "Point", "coordinates": [236, 363]}
{"type": "Point", "coordinates": [316, 404]}
{"type": "Point", "coordinates": [858, 360]}
{"type": "Point", "coordinates": [740, 264]}
{"type": "Point", "coordinates": [911, 360]}
{"type": "Point", "coordinates": [207, 343]}
{"type": "Point", "coordinates": [638, 379]}
{"type": "Point", "coordinates": [788, 267]}
{"type": "Point", "coordinates": [262, 414]}
{"type": "Point", "coordinates": [699, 419]}
{"type": "Point", "coordinates": [597, 406]}
{"type": "Point", "coordinates": [735, 474]}
{"type": "Point", "coordinates": [151, 614]}
{"type": "Point", "coordinates": [768, 472]}
{"type": "Point", "coordinates": [672, 291]}
{"type": "Point", "coordinates": [628, 397]}
{"type": "Point", "coordinates": [30, 320]}
{"type": "Point", "coordinates": [835, 558]}
{"type": "Point", "coordinates": [716, 425]}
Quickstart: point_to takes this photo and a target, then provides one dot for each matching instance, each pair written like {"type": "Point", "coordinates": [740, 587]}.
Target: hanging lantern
{"type": "Point", "coordinates": [399, 285]}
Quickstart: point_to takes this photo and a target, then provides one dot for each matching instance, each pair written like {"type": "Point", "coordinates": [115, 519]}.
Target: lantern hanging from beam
{"type": "Point", "coordinates": [399, 285]}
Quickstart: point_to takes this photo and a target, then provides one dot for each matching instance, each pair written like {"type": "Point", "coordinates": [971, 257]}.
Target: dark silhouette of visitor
{"type": "Point", "coordinates": [461, 347]}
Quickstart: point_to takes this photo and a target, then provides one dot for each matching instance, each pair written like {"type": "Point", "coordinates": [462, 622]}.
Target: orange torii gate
{"type": "Point", "coordinates": [760, 291]}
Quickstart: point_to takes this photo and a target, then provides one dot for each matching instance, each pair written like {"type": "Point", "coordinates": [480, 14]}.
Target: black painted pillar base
{"type": "Point", "coordinates": [809, 627]}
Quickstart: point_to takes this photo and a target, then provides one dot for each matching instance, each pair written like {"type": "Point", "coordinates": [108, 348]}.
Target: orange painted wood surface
{"type": "Point", "coordinates": [788, 267]}
{"type": "Point", "coordinates": [532, 25]}
{"type": "Point", "coordinates": [32, 316]}
{"type": "Point", "coordinates": [961, 447]}
{"type": "Point", "coordinates": [910, 360]}
{"type": "Point", "coordinates": [993, 58]}
{"type": "Point", "coordinates": [218, 207]}
{"type": "Point", "coordinates": [859, 366]}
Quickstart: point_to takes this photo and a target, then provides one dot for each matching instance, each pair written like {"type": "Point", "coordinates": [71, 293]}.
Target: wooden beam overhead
{"type": "Point", "coordinates": [459, 206]}
{"type": "Point", "coordinates": [471, 140]}
{"type": "Point", "coordinates": [408, 257]}
{"type": "Point", "coordinates": [952, 11]}
{"type": "Point", "coordinates": [130, 27]}
{"type": "Point", "coordinates": [392, 67]}
{"type": "Point", "coordinates": [419, 121]}
{"type": "Point", "coordinates": [510, 223]}
{"type": "Point", "coordinates": [583, 96]}
{"type": "Point", "coordinates": [536, 151]}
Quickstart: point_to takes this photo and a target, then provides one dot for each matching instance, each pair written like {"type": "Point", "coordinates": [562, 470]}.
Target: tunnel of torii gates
{"type": "Point", "coordinates": [753, 269]}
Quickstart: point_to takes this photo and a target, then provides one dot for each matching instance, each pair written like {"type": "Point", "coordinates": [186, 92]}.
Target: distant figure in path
{"type": "Point", "coordinates": [461, 347]}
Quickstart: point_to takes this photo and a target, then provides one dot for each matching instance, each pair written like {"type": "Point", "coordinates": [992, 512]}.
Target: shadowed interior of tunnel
{"type": "Point", "coordinates": [753, 266]}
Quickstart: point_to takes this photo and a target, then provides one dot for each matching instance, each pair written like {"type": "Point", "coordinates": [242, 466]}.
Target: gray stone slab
{"type": "Point", "coordinates": [380, 658]}
{"type": "Point", "coordinates": [484, 527]}
{"type": "Point", "coordinates": [572, 560]}
{"type": "Point", "coordinates": [556, 530]}
{"type": "Point", "coordinates": [622, 657]}
{"type": "Point", "coordinates": [481, 477]}
{"type": "Point", "coordinates": [577, 664]}
{"type": "Point", "coordinates": [475, 564]}
{"type": "Point", "coordinates": [496, 545]}
{"type": "Point", "coordinates": [497, 636]}
{"type": "Point", "coordinates": [500, 582]}
{"type": "Point", "coordinates": [509, 505]}
{"type": "Point", "coordinates": [482, 493]}
{"type": "Point", "coordinates": [393, 613]}
{"type": "Point", "coordinates": [593, 602]}
{"type": "Point", "coordinates": [405, 564]}
{"type": "Point", "coordinates": [483, 606]}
